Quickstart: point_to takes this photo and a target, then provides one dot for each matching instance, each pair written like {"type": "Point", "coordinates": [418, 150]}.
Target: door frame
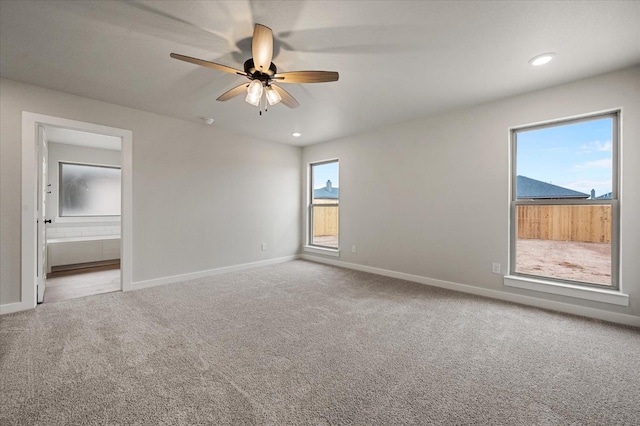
{"type": "Point", "coordinates": [42, 164]}
{"type": "Point", "coordinates": [30, 122]}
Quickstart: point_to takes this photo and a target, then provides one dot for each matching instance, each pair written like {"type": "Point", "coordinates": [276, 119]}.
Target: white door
{"type": "Point", "coordinates": [41, 231]}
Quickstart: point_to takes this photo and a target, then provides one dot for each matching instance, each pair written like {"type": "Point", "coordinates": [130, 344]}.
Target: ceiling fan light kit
{"type": "Point", "coordinates": [262, 73]}
{"type": "Point", "coordinates": [272, 96]}
{"type": "Point", "coordinates": [254, 93]}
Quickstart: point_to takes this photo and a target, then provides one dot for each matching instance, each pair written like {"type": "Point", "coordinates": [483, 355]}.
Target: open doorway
{"type": "Point", "coordinates": [82, 214]}
{"type": "Point", "coordinates": [110, 230]}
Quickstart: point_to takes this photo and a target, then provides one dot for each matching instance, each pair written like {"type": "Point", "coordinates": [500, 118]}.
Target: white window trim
{"type": "Point", "coordinates": [312, 248]}
{"type": "Point", "coordinates": [322, 250]}
{"type": "Point", "coordinates": [567, 288]}
{"type": "Point", "coordinates": [83, 218]}
{"type": "Point", "coordinates": [613, 297]}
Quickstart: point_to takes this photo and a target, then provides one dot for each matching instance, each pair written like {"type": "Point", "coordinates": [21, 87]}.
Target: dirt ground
{"type": "Point", "coordinates": [566, 260]}
{"type": "Point", "coordinates": [587, 262]}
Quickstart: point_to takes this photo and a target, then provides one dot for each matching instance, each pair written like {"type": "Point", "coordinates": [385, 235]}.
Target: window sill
{"type": "Point", "coordinates": [321, 250]}
{"type": "Point", "coordinates": [612, 297]}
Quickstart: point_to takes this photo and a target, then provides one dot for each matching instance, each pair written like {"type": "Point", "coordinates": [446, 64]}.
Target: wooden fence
{"type": "Point", "coordinates": [543, 222]}
{"type": "Point", "coordinates": [565, 223]}
{"type": "Point", "coordinates": [325, 221]}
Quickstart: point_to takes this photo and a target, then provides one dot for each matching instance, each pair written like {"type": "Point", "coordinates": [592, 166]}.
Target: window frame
{"type": "Point", "coordinates": [614, 201]}
{"type": "Point", "coordinates": [61, 186]}
{"type": "Point", "coordinates": [312, 205]}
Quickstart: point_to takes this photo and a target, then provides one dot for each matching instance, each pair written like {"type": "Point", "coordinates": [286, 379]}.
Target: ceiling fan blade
{"type": "Point", "coordinates": [287, 99]}
{"type": "Point", "coordinates": [262, 47]}
{"type": "Point", "coordinates": [306, 77]}
{"type": "Point", "coordinates": [233, 92]}
{"type": "Point", "coordinates": [207, 64]}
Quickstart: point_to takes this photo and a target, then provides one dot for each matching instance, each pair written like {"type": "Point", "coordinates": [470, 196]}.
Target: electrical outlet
{"type": "Point", "coordinates": [354, 249]}
{"type": "Point", "coordinates": [495, 268]}
{"type": "Point", "coordinates": [263, 246]}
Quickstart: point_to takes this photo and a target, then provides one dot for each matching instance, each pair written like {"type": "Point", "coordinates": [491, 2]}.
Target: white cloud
{"type": "Point", "coordinates": [604, 163]}
{"type": "Point", "coordinates": [596, 146]}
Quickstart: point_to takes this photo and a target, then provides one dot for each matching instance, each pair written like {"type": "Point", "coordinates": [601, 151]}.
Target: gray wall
{"type": "Point", "coordinates": [430, 197]}
{"type": "Point", "coordinates": [202, 198]}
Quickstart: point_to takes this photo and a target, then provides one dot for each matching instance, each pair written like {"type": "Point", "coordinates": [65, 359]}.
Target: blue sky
{"type": "Point", "coordinates": [325, 172]}
{"type": "Point", "coordinates": [576, 156]}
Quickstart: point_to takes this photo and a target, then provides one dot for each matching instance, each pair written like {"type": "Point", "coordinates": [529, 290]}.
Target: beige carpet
{"type": "Point", "coordinates": [302, 343]}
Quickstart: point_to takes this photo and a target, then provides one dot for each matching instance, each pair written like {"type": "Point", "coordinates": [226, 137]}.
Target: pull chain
{"type": "Point", "coordinates": [263, 98]}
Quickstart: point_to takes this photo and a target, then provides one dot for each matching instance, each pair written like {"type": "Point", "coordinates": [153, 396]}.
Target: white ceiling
{"type": "Point", "coordinates": [397, 59]}
{"type": "Point", "coordinates": [80, 138]}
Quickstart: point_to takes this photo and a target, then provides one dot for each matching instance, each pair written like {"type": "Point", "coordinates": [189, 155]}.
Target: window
{"type": "Point", "coordinates": [88, 190]}
{"type": "Point", "coordinates": [564, 202]}
{"type": "Point", "coordinates": [324, 207]}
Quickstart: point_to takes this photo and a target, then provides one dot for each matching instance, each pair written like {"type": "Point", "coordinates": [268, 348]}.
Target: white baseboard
{"type": "Point", "coordinates": [494, 294]}
{"type": "Point", "coordinates": [9, 308]}
{"type": "Point", "coordinates": [510, 297]}
{"type": "Point", "coordinates": [137, 285]}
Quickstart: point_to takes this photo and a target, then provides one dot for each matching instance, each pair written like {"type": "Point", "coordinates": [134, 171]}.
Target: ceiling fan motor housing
{"type": "Point", "coordinates": [255, 74]}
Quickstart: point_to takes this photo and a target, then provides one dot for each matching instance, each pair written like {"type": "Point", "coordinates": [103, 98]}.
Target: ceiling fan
{"type": "Point", "coordinates": [262, 74]}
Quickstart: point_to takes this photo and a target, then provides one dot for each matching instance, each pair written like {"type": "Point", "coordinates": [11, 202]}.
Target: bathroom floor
{"type": "Point", "coordinates": [72, 284]}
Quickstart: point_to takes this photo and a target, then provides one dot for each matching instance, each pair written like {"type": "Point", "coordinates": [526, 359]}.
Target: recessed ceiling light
{"type": "Point", "coordinates": [207, 120]}
{"type": "Point", "coordinates": [296, 134]}
{"type": "Point", "coordinates": [545, 58]}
